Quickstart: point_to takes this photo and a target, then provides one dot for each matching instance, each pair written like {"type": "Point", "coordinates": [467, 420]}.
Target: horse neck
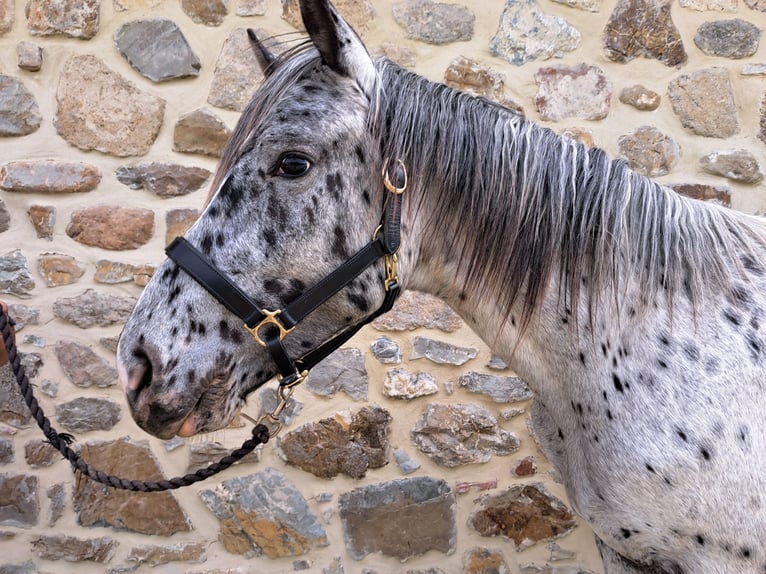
{"type": "Point", "coordinates": [508, 221]}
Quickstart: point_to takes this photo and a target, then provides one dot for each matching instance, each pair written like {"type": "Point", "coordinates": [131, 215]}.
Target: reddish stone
{"type": "Point", "coordinates": [112, 227]}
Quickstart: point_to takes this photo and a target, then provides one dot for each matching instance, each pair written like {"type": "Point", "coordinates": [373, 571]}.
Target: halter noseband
{"type": "Point", "coordinates": [269, 328]}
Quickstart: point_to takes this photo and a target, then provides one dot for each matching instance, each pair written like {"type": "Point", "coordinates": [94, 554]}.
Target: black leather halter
{"type": "Point", "coordinates": [269, 328]}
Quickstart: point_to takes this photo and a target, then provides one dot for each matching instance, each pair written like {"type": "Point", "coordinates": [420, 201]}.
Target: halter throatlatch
{"type": "Point", "coordinates": [269, 328]}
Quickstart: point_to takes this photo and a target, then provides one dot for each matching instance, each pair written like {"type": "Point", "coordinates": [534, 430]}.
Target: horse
{"type": "Point", "coordinates": [635, 315]}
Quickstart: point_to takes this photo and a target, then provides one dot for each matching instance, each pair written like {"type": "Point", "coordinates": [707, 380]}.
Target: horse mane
{"type": "Point", "coordinates": [519, 205]}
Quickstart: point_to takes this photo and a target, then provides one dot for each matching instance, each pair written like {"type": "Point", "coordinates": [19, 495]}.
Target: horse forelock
{"type": "Point", "coordinates": [518, 206]}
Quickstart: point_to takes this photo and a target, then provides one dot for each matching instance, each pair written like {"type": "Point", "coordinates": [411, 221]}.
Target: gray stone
{"type": "Point", "coordinates": [83, 366]}
{"type": "Point", "coordinates": [335, 567]}
{"type": "Point", "coordinates": [19, 114]}
{"type": "Point", "coordinates": [251, 8]}
{"type": "Point", "coordinates": [759, 5]}
{"type": "Point", "coordinates": [406, 463]}
{"type": "Point", "coordinates": [457, 434]}
{"type": "Point", "coordinates": [401, 518]}
{"type": "Point", "coordinates": [343, 370]}
{"type": "Point", "coordinates": [23, 315]}
{"type": "Point", "coordinates": [200, 132]}
{"type": "Point", "coordinates": [56, 494]}
{"type": "Point", "coordinates": [99, 550]}
{"type": "Point", "coordinates": [163, 179]}
{"type": "Point", "coordinates": [73, 18]}
{"type": "Point", "coordinates": [13, 409]}
{"type": "Point", "coordinates": [94, 309]}
{"type": "Point", "coordinates": [189, 552]}
{"type": "Point", "coordinates": [125, 5]}
{"type": "Point", "coordinates": [500, 389]}
{"type": "Point", "coordinates": [558, 553]}
{"type": "Point", "coordinates": [641, 98]}
{"type": "Point", "coordinates": [97, 109]}
{"type": "Point", "coordinates": [754, 70]}
{"type": "Point", "coordinates": [203, 454]}
{"type": "Point", "coordinates": [738, 165]}
{"type": "Point", "coordinates": [580, 91]}
{"type": "Point", "coordinates": [157, 49]}
{"type": "Point", "coordinates": [644, 28]}
{"type": "Point", "coordinates": [587, 5]}
{"type": "Point", "coordinates": [694, 95]}
{"type": "Point", "coordinates": [414, 310]}
{"type": "Point", "coordinates": [43, 218]}
{"type": "Point", "coordinates": [649, 151]}
{"type": "Point", "coordinates": [85, 414]}
{"type": "Point", "coordinates": [149, 513]}
{"type": "Point", "coordinates": [49, 176]}
{"type": "Point", "coordinates": [237, 73]}
{"type": "Point", "coordinates": [264, 514]}
{"type": "Point", "coordinates": [525, 514]}
{"type": "Point", "coordinates": [30, 56]}
{"type": "Point", "coordinates": [15, 278]}
{"type": "Point", "coordinates": [496, 363]}
{"type": "Point", "coordinates": [6, 451]}
{"type": "Point", "coordinates": [386, 351]}
{"type": "Point", "coordinates": [207, 12]}
{"type": "Point", "coordinates": [350, 443]}
{"type": "Point", "coordinates": [526, 34]}
{"type": "Point", "coordinates": [49, 388]}
{"type": "Point", "coordinates": [712, 193]}
{"type": "Point", "coordinates": [402, 384]}
{"type": "Point", "coordinates": [434, 22]}
{"type": "Point", "coordinates": [19, 500]}
{"type": "Point", "coordinates": [5, 217]}
{"type": "Point", "coordinates": [32, 363]}
{"type": "Point", "coordinates": [728, 38]}
{"type": "Point", "coordinates": [23, 568]}
{"type": "Point", "coordinates": [441, 353]}
{"type": "Point", "coordinates": [35, 340]}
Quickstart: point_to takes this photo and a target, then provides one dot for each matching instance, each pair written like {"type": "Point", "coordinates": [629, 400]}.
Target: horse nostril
{"type": "Point", "coordinates": [140, 376]}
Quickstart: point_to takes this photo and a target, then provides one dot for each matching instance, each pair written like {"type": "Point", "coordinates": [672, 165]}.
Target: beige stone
{"type": "Point", "coordinates": [75, 18]}
{"type": "Point", "coordinates": [97, 109]}
{"type": "Point", "coordinates": [43, 219]}
{"type": "Point", "coordinates": [49, 176]}
{"type": "Point", "coordinates": [178, 221]}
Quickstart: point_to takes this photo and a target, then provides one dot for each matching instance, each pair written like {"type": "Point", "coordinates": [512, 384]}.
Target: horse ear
{"type": "Point", "coordinates": [267, 59]}
{"type": "Point", "coordinates": [337, 42]}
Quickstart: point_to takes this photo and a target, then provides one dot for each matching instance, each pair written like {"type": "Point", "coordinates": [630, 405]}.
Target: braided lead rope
{"type": "Point", "coordinates": [61, 442]}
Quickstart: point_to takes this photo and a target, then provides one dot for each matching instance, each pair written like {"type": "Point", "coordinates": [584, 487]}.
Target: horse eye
{"type": "Point", "coordinates": [293, 165]}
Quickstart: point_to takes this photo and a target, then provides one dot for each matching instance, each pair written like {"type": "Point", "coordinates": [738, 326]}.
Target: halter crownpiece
{"type": "Point", "coordinates": [269, 328]}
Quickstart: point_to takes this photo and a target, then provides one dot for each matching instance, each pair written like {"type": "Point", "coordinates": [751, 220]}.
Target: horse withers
{"type": "Point", "coordinates": [635, 315]}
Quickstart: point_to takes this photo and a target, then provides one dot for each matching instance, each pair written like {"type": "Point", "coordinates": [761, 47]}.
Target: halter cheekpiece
{"type": "Point", "coordinates": [269, 328]}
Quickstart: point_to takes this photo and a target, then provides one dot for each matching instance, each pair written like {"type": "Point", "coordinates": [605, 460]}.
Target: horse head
{"type": "Point", "coordinates": [297, 192]}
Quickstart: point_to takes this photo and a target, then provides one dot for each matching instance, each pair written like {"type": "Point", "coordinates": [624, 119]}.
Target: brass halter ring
{"type": "Point", "coordinates": [387, 182]}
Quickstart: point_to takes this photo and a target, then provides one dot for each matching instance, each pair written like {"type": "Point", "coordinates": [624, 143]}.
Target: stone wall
{"type": "Point", "coordinates": [112, 113]}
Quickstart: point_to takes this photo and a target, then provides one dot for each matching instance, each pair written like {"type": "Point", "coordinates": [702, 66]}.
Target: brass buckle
{"type": "Point", "coordinates": [387, 182]}
{"type": "Point", "coordinates": [271, 319]}
{"type": "Point", "coordinates": [391, 276]}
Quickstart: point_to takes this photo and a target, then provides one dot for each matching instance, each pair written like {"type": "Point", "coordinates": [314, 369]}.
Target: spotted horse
{"type": "Point", "coordinates": [636, 316]}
